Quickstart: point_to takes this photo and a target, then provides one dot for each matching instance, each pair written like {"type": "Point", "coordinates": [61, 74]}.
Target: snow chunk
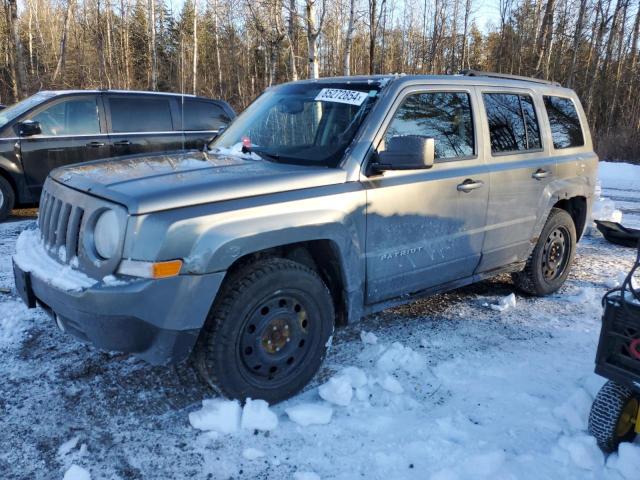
{"type": "Point", "coordinates": [31, 256]}
{"type": "Point", "coordinates": [575, 410]}
{"type": "Point", "coordinates": [76, 473]}
{"type": "Point", "coordinates": [368, 338]}
{"type": "Point", "coordinates": [219, 415]}
{"type": "Point", "coordinates": [356, 375]}
{"type": "Point", "coordinates": [307, 414]}
{"type": "Point", "coordinates": [583, 451]}
{"type": "Point", "coordinates": [113, 281]}
{"type": "Point", "coordinates": [626, 461]}
{"type": "Point", "coordinates": [391, 384]}
{"type": "Point", "coordinates": [67, 446]}
{"type": "Point", "coordinates": [337, 390]}
{"type": "Point", "coordinates": [256, 415]}
{"type": "Point", "coordinates": [252, 453]}
{"type": "Point", "coordinates": [306, 476]}
{"type": "Point", "coordinates": [505, 303]}
{"type": "Point", "coordinates": [397, 356]}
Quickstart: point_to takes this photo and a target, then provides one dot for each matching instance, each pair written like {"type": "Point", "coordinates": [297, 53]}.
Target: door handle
{"type": "Point", "coordinates": [95, 144]}
{"type": "Point", "coordinates": [468, 185]}
{"type": "Point", "coordinates": [541, 173]}
{"type": "Point", "coordinates": [122, 143]}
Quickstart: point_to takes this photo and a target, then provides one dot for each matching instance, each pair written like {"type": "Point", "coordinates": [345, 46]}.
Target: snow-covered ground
{"type": "Point", "coordinates": [446, 388]}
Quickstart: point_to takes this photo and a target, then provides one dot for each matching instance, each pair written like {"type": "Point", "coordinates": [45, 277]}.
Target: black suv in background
{"type": "Point", "coordinates": [55, 128]}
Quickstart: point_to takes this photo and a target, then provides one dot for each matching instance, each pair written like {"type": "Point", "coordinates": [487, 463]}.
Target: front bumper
{"type": "Point", "coordinates": [158, 320]}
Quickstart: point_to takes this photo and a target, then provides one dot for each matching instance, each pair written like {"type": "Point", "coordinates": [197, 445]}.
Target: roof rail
{"type": "Point", "coordinates": [479, 73]}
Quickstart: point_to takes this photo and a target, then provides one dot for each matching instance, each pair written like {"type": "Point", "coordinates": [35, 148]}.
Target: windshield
{"type": "Point", "coordinates": [19, 108]}
{"type": "Point", "coordinates": [301, 123]}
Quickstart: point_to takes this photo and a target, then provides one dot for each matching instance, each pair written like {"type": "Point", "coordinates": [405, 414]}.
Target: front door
{"type": "Point", "coordinates": [426, 227]}
{"type": "Point", "coordinates": [71, 132]}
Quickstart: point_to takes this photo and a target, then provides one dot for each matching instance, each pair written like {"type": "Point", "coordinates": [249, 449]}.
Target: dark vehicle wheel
{"type": "Point", "coordinates": [7, 198]}
{"type": "Point", "coordinates": [548, 266]}
{"type": "Point", "coordinates": [267, 334]}
{"type": "Point", "coordinates": [613, 416]}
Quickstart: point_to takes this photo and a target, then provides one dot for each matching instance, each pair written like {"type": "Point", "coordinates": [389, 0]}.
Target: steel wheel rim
{"type": "Point", "coordinates": [628, 417]}
{"type": "Point", "coordinates": [277, 337]}
{"type": "Point", "coordinates": [555, 253]}
{"type": "Point", "coordinates": [1, 199]}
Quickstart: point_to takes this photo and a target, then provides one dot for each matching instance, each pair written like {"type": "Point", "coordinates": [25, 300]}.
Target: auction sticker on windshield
{"type": "Point", "coordinates": [352, 97]}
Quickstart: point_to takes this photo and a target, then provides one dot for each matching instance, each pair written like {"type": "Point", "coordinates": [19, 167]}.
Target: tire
{"type": "Point", "coordinates": [267, 333]}
{"type": "Point", "coordinates": [548, 265]}
{"type": "Point", "coordinates": [7, 198]}
{"type": "Point", "coordinates": [610, 414]}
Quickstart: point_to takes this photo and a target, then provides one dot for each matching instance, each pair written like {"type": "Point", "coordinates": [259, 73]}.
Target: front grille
{"type": "Point", "coordinates": [60, 224]}
{"type": "Point", "coordinates": [65, 221]}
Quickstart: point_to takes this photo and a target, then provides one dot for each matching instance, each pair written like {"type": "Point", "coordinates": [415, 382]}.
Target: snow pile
{"type": "Point", "coordinates": [505, 303]}
{"type": "Point", "coordinates": [306, 414]}
{"type": "Point", "coordinates": [217, 415]}
{"type": "Point", "coordinates": [626, 461]}
{"type": "Point", "coordinates": [227, 416]}
{"type": "Point", "coordinates": [235, 151]}
{"type": "Point", "coordinates": [31, 256]}
{"type": "Point", "coordinates": [399, 357]}
{"type": "Point", "coordinates": [619, 175]}
{"type": "Point", "coordinates": [252, 453]}
{"type": "Point", "coordinates": [256, 415]}
{"type": "Point", "coordinates": [76, 473]}
{"type": "Point", "coordinates": [337, 390]}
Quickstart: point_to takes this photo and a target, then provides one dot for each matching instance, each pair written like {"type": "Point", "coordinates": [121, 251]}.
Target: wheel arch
{"type": "Point", "coordinates": [577, 208]}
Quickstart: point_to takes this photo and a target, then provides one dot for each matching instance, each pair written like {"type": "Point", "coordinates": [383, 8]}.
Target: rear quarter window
{"type": "Point", "coordinates": [201, 115]}
{"type": "Point", "coordinates": [566, 130]}
{"type": "Point", "coordinates": [140, 114]}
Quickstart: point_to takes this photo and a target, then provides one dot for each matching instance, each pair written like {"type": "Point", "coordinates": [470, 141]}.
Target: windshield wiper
{"type": "Point", "coordinates": [274, 157]}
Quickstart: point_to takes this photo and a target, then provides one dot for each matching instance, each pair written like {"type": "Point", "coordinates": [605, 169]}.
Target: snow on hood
{"type": "Point", "coordinates": [147, 183]}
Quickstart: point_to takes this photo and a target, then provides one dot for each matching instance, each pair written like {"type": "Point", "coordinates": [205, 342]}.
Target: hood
{"type": "Point", "coordinates": [151, 183]}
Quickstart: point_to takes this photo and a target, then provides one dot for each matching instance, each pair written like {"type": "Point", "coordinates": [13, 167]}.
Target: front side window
{"type": "Point", "coordinates": [513, 125]}
{"type": "Point", "coordinates": [444, 116]}
{"type": "Point", "coordinates": [300, 123]}
{"type": "Point", "coordinates": [14, 111]}
{"type": "Point", "coordinates": [566, 131]}
{"type": "Point", "coordinates": [136, 114]}
{"type": "Point", "coordinates": [201, 116]}
{"type": "Point", "coordinates": [76, 116]}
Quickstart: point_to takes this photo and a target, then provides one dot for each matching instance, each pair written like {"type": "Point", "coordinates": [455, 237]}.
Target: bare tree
{"type": "Point", "coordinates": [313, 32]}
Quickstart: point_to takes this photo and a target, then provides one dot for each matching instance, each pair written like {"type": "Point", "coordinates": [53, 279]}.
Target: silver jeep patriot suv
{"type": "Point", "coordinates": [324, 201]}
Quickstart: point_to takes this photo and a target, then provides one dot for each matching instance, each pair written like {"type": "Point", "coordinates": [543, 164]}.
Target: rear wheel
{"type": "Point", "coordinates": [613, 416]}
{"type": "Point", "coordinates": [7, 198]}
{"type": "Point", "coordinates": [267, 334]}
{"type": "Point", "coordinates": [548, 266]}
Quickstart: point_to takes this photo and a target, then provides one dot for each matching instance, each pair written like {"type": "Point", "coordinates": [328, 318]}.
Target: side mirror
{"type": "Point", "coordinates": [406, 152]}
{"type": "Point", "coordinates": [28, 128]}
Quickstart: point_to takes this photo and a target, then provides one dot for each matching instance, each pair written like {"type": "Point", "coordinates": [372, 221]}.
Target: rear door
{"type": "Point", "coordinates": [73, 131]}
{"type": "Point", "coordinates": [142, 123]}
{"type": "Point", "coordinates": [520, 168]}
{"type": "Point", "coordinates": [201, 120]}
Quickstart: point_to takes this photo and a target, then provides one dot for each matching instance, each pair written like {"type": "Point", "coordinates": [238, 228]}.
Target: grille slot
{"type": "Point", "coordinates": [60, 224]}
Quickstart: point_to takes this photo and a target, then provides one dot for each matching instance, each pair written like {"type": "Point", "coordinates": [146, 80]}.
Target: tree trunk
{"type": "Point", "coordinates": [346, 62]}
{"type": "Point", "coordinates": [19, 72]}
{"type": "Point", "coordinates": [195, 47]}
{"type": "Point", "coordinates": [291, 33]}
{"type": "Point", "coordinates": [577, 35]}
{"type": "Point", "coordinates": [543, 44]}
{"type": "Point", "coordinates": [313, 32]}
{"type": "Point", "coordinates": [63, 41]}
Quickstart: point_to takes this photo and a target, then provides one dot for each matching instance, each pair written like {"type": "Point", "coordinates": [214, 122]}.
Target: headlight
{"type": "Point", "coordinates": [106, 234]}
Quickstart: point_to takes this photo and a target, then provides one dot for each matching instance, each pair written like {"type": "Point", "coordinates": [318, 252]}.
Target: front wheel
{"type": "Point", "coordinates": [267, 334]}
{"type": "Point", "coordinates": [548, 266]}
{"type": "Point", "coordinates": [613, 416]}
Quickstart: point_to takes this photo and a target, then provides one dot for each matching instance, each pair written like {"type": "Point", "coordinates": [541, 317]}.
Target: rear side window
{"type": "Point", "coordinates": [513, 125]}
{"type": "Point", "coordinates": [200, 115]}
{"type": "Point", "coordinates": [566, 131]}
{"type": "Point", "coordinates": [444, 116]}
{"type": "Point", "coordinates": [140, 114]}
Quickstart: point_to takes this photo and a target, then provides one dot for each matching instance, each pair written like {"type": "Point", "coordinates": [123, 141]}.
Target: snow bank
{"type": "Point", "coordinates": [76, 473]}
{"type": "Point", "coordinates": [307, 414]}
{"type": "Point", "coordinates": [256, 415]}
{"type": "Point", "coordinates": [619, 175]}
{"type": "Point", "coordinates": [218, 415]}
{"type": "Point", "coordinates": [32, 256]}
